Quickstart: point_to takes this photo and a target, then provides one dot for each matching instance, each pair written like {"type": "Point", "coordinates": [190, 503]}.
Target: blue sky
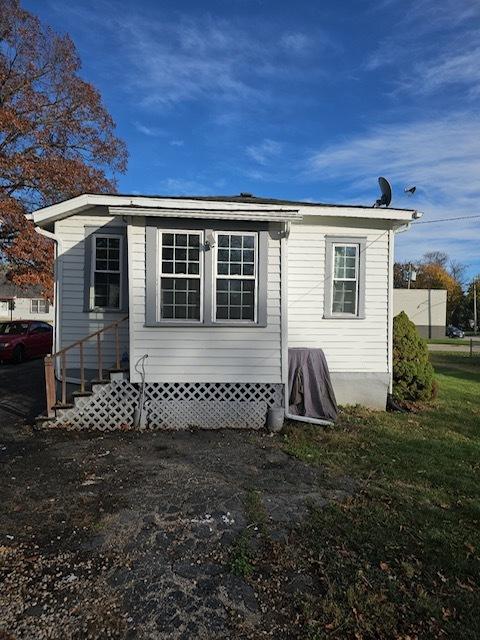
{"type": "Point", "coordinates": [305, 100]}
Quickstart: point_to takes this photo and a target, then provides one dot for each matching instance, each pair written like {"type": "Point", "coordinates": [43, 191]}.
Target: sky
{"type": "Point", "coordinates": [307, 100]}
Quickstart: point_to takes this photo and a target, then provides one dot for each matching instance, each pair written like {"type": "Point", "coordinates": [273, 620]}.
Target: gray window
{"type": "Point", "coordinates": [200, 275]}
{"type": "Point", "coordinates": [106, 279]}
{"type": "Point", "coordinates": [345, 277]}
{"type": "Point", "coordinates": [236, 276]}
{"type": "Point", "coordinates": [180, 279]}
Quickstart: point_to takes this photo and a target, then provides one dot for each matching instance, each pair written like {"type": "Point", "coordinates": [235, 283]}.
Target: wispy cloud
{"type": "Point", "coordinates": [264, 152]}
{"type": "Point", "coordinates": [170, 58]}
{"type": "Point", "coordinates": [441, 157]}
{"type": "Point", "coordinates": [177, 143]}
{"type": "Point", "coordinates": [433, 47]}
{"type": "Point", "coordinates": [184, 187]}
{"type": "Point", "coordinates": [152, 132]}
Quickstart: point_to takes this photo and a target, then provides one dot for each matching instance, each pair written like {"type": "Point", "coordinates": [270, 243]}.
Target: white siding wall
{"type": "Point", "coordinates": [74, 322]}
{"type": "Point", "coordinates": [349, 345]}
{"type": "Point", "coordinates": [213, 354]}
{"type": "Point", "coordinates": [22, 311]}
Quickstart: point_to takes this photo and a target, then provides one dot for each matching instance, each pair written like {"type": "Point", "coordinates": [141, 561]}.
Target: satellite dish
{"type": "Point", "coordinates": [410, 190]}
{"type": "Point", "coordinates": [386, 190]}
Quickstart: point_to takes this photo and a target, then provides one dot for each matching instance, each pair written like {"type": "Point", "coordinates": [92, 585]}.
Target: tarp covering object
{"type": "Point", "coordinates": [310, 388]}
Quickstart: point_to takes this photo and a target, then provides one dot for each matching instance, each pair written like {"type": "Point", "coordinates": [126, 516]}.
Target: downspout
{"type": "Point", "coordinates": [58, 251]}
{"type": "Point", "coordinates": [401, 229]}
{"type": "Point", "coordinates": [284, 331]}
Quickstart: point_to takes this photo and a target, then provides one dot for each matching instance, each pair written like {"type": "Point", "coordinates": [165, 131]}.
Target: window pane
{"type": "Point", "coordinates": [182, 253]}
{"type": "Point", "coordinates": [344, 297]}
{"type": "Point", "coordinates": [180, 299]}
{"type": "Point", "coordinates": [234, 253]}
{"type": "Point", "coordinates": [107, 290]}
{"type": "Point", "coordinates": [235, 299]}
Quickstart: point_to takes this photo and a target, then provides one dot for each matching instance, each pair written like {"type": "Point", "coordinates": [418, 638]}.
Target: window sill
{"type": "Point", "coordinates": [342, 316]}
{"type": "Point", "coordinates": [206, 325]}
{"type": "Point", "coordinates": [105, 310]}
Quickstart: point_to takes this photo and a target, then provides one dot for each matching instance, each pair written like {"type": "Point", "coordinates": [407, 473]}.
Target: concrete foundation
{"type": "Point", "coordinates": [367, 389]}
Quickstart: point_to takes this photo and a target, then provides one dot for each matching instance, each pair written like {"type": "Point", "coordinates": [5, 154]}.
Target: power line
{"type": "Point", "coordinates": [446, 219]}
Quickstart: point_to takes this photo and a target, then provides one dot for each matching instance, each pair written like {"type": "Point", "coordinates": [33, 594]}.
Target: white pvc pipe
{"type": "Point", "coordinates": [325, 423]}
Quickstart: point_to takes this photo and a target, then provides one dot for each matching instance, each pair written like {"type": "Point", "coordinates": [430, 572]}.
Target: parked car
{"type": "Point", "coordinates": [454, 332]}
{"type": "Point", "coordinates": [22, 339]}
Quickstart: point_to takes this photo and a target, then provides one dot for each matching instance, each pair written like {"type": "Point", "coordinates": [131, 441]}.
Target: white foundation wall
{"type": "Point", "coordinates": [74, 322]}
{"type": "Point", "coordinates": [203, 354]}
{"type": "Point", "coordinates": [352, 346]}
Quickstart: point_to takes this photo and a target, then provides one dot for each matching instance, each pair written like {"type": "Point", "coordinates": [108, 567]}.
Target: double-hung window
{"type": "Point", "coordinates": [38, 305]}
{"type": "Point", "coordinates": [181, 275]}
{"type": "Point", "coordinates": [215, 275]}
{"type": "Point", "coordinates": [106, 280]}
{"type": "Point", "coordinates": [236, 276]}
{"type": "Point", "coordinates": [345, 277]}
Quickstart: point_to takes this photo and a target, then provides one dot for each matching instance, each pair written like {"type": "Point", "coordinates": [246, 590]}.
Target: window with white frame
{"type": "Point", "coordinates": [345, 279]}
{"type": "Point", "coordinates": [181, 275]}
{"type": "Point", "coordinates": [38, 305]}
{"type": "Point", "coordinates": [106, 281]}
{"type": "Point", "coordinates": [236, 276]}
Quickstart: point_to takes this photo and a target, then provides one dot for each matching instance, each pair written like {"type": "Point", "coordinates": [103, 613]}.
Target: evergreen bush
{"type": "Point", "coordinates": [412, 372]}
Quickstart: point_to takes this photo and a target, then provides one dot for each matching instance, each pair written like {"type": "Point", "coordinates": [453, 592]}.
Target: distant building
{"type": "Point", "coordinates": [18, 303]}
{"type": "Point", "coordinates": [426, 308]}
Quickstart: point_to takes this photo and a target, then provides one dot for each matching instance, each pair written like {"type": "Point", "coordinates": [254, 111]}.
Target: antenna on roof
{"type": "Point", "coordinates": [386, 190]}
{"type": "Point", "coordinates": [410, 190]}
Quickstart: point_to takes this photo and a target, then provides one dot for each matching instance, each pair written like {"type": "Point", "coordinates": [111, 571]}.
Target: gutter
{"type": "Point", "coordinates": [58, 251]}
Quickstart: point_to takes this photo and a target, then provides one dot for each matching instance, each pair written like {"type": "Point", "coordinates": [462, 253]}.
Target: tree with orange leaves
{"type": "Point", "coordinates": [57, 139]}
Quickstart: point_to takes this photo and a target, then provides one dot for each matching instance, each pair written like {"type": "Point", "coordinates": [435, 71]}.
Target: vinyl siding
{"type": "Point", "coordinates": [203, 354]}
{"type": "Point", "coordinates": [75, 323]}
{"type": "Point", "coordinates": [350, 345]}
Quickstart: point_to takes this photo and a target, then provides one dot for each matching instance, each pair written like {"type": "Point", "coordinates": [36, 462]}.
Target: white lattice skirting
{"type": "Point", "coordinates": [174, 406]}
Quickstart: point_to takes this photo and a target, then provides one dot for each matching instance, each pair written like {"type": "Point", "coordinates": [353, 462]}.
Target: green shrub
{"type": "Point", "coordinates": [412, 371]}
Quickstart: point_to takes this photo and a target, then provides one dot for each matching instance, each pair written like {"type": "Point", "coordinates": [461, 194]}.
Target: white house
{"type": "Point", "coordinates": [27, 303]}
{"type": "Point", "coordinates": [214, 290]}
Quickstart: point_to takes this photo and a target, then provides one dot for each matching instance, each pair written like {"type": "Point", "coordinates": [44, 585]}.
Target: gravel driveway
{"type": "Point", "coordinates": [132, 535]}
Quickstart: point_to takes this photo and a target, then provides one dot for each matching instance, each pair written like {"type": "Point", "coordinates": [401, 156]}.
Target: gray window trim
{"type": "Point", "coordinates": [90, 232]}
{"type": "Point", "coordinates": [151, 271]}
{"type": "Point", "coordinates": [330, 241]}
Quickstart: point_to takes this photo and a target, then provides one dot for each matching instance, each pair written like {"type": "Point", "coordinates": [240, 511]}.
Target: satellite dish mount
{"type": "Point", "coordinates": [386, 196]}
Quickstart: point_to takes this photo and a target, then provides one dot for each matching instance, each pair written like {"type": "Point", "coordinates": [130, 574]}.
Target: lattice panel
{"type": "Point", "coordinates": [174, 406]}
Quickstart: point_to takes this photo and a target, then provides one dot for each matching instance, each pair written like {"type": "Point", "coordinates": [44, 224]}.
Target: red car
{"type": "Point", "coordinates": [21, 339]}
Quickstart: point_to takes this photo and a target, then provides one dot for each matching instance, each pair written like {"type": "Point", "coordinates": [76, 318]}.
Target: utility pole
{"type": "Point", "coordinates": [475, 307]}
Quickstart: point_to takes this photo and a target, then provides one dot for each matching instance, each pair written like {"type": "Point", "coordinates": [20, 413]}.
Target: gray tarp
{"type": "Point", "coordinates": [310, 388]}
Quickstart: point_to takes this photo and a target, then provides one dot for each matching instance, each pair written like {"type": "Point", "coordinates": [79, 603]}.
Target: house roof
{"type": "Point", "coordinates": [242, 206]}
{"type": "Point", "coordinates": [10, 290]}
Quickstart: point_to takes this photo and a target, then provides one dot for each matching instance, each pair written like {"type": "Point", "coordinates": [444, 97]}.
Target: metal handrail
{"type": "Point", "coordinates": [50, 386]}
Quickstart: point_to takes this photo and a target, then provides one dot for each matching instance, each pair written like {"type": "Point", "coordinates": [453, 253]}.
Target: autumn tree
{"type": "Point", "coordinates": [57, 140]}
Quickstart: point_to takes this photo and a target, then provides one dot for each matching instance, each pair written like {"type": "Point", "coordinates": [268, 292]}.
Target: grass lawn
{"type": "Point", "coordinates": [449, 341]}
{"type": "Point", "coordinates": [401, 559]}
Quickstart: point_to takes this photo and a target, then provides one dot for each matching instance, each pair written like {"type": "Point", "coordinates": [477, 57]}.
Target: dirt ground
{"type": "Point", "coordinates": [145, 535]}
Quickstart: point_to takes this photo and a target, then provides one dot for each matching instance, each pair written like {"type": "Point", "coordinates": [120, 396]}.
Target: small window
{"type": "Point", "coordinates": [106, 272]}
{"type": "Point", "coordinates": [236, 277]}
{"type": "Point", "coordinates": [181, 271]}
{"type": "Point", "coordinates": [39, 305]}
{"type": "Point", "coordinates": [345, 279]}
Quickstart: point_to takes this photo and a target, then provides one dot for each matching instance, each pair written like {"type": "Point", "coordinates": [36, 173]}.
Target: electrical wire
{"type": "Point", "coordinates": [446, 219]}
